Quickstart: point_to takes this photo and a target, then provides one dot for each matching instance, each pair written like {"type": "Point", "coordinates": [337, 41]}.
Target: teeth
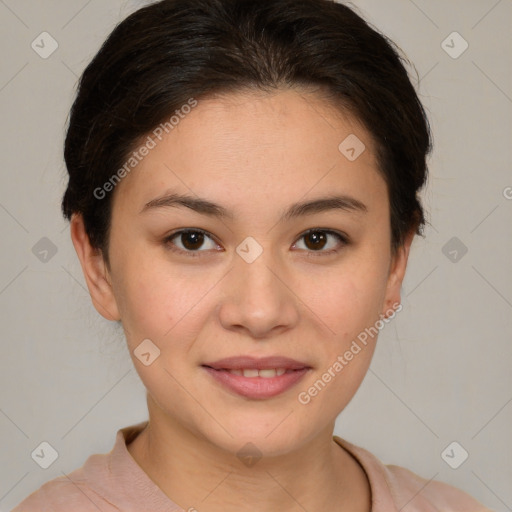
{"type": "Point", "coordinates": [266, 373]}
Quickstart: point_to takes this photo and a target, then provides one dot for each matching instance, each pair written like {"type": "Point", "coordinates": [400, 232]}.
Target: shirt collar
{"type": "Point", "coordinates": [128, 485]}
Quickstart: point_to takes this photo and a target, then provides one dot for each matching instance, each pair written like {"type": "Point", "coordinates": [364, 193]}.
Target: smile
{"type": "Point", "coordinates": [257, 378]}
{"type": "Point", "coordinates": [266, 374]}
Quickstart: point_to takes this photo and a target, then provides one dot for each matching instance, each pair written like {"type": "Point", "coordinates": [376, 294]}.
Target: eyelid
{"type": "Point", "coordinates": [168, 241]}
{"type": "Point", "coordinates": [342, 238]}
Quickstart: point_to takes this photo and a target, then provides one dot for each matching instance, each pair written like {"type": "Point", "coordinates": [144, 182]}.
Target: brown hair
{"type": "Point", "coordinates": [173, 50]}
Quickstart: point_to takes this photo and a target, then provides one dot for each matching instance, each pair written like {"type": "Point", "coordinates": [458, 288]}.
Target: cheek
{"type": "Point", "coordinates": [349, 305]}
{"type": "Point", "coordinates": [349, 298]}
{"type": "Point", "coordinates": [161, 302]}
{"type": "Point", "coordinates": [352, 305]}
{"type": "Point", "coordinates": [164, 309]}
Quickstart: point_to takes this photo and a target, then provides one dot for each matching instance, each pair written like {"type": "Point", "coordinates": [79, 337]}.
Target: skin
{"type": "Point", "coordinates": [255, 154]}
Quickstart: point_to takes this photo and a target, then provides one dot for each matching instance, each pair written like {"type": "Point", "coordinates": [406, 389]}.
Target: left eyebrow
{"type": "Point", "coordinates": [206, 207]}
{"type": "Point", "coordinates": [322, 204]}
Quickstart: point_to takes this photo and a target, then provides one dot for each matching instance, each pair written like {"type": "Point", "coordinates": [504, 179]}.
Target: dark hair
{"type": "Point", "coordinates": [164, 54]}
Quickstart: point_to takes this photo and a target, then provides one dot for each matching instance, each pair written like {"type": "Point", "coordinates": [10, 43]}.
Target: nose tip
{"type": "Point", "coordinates": [257, 301]}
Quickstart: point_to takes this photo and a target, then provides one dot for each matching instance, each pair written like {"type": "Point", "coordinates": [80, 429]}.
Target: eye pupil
{"type": "Point", "coordinates": [195, 238]}
{"type": "Point", "coordinates": [317, 238]}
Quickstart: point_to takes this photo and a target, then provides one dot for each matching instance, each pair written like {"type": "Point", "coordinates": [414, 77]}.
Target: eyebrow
{"type": "Point", "coordinates": [205, 207]}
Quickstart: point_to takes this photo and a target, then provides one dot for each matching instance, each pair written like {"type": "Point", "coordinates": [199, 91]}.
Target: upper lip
{"type": "Point", "coordinates": [248, 362]}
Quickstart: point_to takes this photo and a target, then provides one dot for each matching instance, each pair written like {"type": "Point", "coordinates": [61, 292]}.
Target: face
{"type": "Point", "coordinates": [259, 308]}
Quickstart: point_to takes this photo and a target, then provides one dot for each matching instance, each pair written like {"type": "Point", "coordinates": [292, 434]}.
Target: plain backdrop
{"type": "Point", "coordinates": [441, 372]}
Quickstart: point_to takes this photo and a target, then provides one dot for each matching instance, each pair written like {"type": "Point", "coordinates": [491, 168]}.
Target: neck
{"type": "Point", "coordinates": [196, 475]}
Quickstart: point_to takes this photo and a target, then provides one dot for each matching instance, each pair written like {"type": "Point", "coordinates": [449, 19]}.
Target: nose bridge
{"type": "Point", "coordinates": [255, 269]}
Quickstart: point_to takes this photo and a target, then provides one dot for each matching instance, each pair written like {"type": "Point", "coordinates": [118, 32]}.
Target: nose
{"type": "Point", "coordinates": [259, 300]}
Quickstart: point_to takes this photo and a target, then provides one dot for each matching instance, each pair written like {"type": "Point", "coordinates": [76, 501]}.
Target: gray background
{"type": "Point", "coordinates": [441, 372]}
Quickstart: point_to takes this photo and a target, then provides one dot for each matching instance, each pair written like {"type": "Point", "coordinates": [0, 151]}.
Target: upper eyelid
{"type": "Point", "coordinates": [175, 234]}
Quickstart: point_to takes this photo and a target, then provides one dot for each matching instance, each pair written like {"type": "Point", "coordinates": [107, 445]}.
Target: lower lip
{"type": "Point", "coordinates": [257, 388]}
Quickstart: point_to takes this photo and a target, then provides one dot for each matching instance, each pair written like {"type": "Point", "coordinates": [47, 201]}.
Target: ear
{"type": "Point", "coordinates": [95, 271]}
{"type": "Point", "coordinates": [396, 274]}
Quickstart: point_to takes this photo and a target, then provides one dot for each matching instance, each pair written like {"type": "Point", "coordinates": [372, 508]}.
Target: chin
{"type": "Point", "coordinates": [269, 435]}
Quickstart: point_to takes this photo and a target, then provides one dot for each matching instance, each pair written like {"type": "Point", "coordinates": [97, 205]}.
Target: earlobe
{"type": "Point", "coordinates": [397, 274]}
{"type": "Point", "coordinates": [94, 270]}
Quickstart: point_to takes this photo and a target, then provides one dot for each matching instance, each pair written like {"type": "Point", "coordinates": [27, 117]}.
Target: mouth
{"type": "Point", "coordinates": [257, 378]}
{"type": "Point", "coordinates": [266, 373]}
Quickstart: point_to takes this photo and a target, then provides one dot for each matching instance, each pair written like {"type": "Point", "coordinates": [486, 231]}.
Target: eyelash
{"type": "Point", "coordinates": [342, 238]}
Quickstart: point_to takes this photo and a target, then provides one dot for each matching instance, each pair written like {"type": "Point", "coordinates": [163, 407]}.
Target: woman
{"type": "Point", "coordinates": [243, 195]}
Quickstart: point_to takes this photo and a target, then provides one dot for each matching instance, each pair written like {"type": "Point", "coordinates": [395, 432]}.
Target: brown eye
{"type": "Point", "coordinates": [315, 240]}
{"type": "Point", "coordinates": [322, 241]}
{"type": "Point", "coordinates": [191, 242]}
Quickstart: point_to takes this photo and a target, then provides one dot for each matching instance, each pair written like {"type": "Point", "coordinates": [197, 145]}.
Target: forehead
{"type": "Point", "coordinates": [250, 146]}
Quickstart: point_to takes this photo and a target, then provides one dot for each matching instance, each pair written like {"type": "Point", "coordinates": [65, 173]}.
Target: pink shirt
{"type": "Point", "coordinates": [114, 482]}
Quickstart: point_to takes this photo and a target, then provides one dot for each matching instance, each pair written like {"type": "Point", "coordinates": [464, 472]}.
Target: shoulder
{"type": "Point", "coordinates": [68, 492]}
{"type": "Point", "coordinates": [107, 481]}
{"type": "Point", "coordinates": [428, 495]}
{"type": "Point", "coordinates": [62, 494]}
{"type": "Point", "coordinates": [396, 488]}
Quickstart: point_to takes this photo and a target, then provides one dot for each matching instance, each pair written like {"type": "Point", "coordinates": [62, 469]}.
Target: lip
{"type": "Point", "coordinates": [256, 388]}
{"type": "Point", "coordinates": [256, 363]}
